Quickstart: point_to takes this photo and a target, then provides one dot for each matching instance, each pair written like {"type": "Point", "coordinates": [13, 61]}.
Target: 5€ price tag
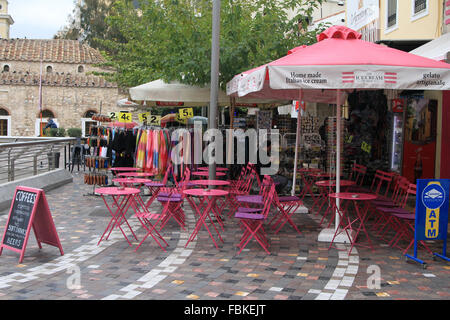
{"type": "Point", "coordinates": [125, 117]}
{"type": "Point", "coordinates": [143, 117]}
{"type": "Point", "coordinates": [186, 113]}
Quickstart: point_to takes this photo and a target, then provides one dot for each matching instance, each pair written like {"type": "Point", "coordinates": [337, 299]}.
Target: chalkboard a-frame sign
{"type": "Point", "coordinates": [29, 210]}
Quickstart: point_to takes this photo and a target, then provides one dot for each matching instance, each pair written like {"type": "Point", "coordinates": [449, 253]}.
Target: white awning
{"type": "Point", "coordinates": [436, 49]}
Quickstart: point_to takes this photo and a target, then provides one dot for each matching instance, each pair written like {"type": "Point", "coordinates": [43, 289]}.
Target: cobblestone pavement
{"type": "Point", "coordinates": [298, 268]}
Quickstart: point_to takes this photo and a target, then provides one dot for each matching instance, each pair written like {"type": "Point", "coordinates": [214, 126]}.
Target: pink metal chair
{"type": "Point", "coordinates": [252, 222]}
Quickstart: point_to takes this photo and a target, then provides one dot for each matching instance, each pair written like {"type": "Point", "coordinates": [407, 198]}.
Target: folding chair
{"type": "Point", "coordinates": [252, 223]}
{"type": "Point", "coordinates": [155, 186]}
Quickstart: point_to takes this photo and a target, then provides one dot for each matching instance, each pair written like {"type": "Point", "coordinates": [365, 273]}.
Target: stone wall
{"type": "Point", "coordinates": [67, 103]}
{"type": "Point", "coordinates": [35, 67]}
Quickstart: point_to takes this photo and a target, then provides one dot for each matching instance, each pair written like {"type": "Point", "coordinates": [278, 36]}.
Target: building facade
{"type": "Point", "coordinates": [55, 76]}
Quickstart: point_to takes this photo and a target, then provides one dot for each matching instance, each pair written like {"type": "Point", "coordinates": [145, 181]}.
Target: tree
{"type": "Point", "coordinates": [88, 23]}
{"type": "Point", "coordinates": [171, 39]}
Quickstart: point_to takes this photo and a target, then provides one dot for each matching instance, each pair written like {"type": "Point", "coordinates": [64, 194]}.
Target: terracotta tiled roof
{"type": "Point", "coordinates": [57, 51]}
{"type": "Point", "coordinates": [54, 79]}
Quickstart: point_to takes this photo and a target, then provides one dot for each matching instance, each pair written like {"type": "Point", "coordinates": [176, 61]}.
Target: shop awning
{"type": "Point", "coordinates": [436, 49]}
{"type": "Point", "coordinates": [174, 94]}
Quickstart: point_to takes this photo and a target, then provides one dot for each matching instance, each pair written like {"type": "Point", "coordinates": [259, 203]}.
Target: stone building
{"type": "Point", "coordinates": [70, 92]}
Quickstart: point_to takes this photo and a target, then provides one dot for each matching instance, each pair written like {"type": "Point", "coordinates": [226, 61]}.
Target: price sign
{"type": "Point", "coordinates": [114, 115]}
{"type": "Point", "coordinates": [125, 117]}
{"type": "Point", "coordinates": [186, 113]}
{"type": "Point", "coordinates": [181, 120]}
{"type": "Point", "coordinates": [154, 120]}
{"type": "Point", "coordinates": [366, 147]}
{"type": "Point", "coordinates": [143, 117]}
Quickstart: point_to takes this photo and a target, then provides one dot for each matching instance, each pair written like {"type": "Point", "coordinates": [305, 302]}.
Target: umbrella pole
{"type": "Point", "coordinates": [338, 155]}
{"type": "Point", "coordinates": [297, 142]}
{"type": "Point", "coordinates": [215, 52]}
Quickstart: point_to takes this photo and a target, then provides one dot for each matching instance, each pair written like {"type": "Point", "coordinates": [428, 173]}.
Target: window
{"type": "Point", "coordinates": [391, 14]}
{"type": "Point", "coordinates": [89, 114]}
{"type": "Point", "coordinates": [5, 123]}
{"type": "Point", "coordinates": [420, 6]}
{"type": "Point", "coordinates": [5, 68]}
{"type": "Point", "coordinates": [419, 9]}
{"type": "Point", "coordinates": [80, 69]}
{"type": "Point", "coordinates": [47, 114]}
{"type": "Point", "coordinates": [49, 69]}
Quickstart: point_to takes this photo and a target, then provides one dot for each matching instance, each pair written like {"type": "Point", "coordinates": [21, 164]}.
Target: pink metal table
{"type": "Point", "coordinates": [215, 183]}
{"type": "Point", "coordinates": [325, 188]}
{"type": "Point", "coordinates": [345, 221]}
{"type": "Point", "coordinates": [118, 217]}
{"type": "Point", "coordinates": [210, 196]}
{"type": "Point", "coordinates": [116, 170]}
{"type": "Point", "coordinates": [217, 168]}
{"type": "Point", "coordinates": [206, 174]}
{"type": "Point", "coordinates": [136, 174]}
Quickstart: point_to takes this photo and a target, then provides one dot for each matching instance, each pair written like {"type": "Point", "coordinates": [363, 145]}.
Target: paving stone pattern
{"type": "Point", "coordinates": [298, 268]}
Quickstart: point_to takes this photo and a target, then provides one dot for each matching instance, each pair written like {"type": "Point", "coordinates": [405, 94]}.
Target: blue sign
{"type": "Point", "coordinates": [432, 204]}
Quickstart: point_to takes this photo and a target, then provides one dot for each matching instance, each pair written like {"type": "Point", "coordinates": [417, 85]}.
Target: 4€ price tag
{"type": "Point", "coordinates": [125, 117]}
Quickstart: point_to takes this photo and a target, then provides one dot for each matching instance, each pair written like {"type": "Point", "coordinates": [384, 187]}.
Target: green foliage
{"type": "Point", "coordinates": [51, 132]}
{"type": "Point", "coordinates": [61, 132]}
{"type": "Point", "coordinates": [171, 39]}
{"type": "Point", "coordinates": [88, 23]}
{"type": "Point", "coordinates": [74, 132]}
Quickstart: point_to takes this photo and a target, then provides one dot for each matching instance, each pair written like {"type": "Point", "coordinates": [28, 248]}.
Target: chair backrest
{"type": "Point", "coordinates": [169, 170]}
{"type": "Point", "coordinates": [357, 174]}
{"type": "Point", "coordinates": [381, 177]}
{"type": "Point", "coordinates": [268, 199]}
{"type": "Point", "coordinates": [247, 183]}
{"type": "Point", "coordinates": [182, 184]}
{"type": "Point", "coordinates": [409, 189]}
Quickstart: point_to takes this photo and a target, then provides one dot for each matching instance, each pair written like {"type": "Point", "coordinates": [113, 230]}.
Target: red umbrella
{"type": "Point", "coordinates": [340, 60]}
{"type": "Point", "coordinates": [126, 125]}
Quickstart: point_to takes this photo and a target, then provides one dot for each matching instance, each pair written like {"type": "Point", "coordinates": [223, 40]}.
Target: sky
{"type": "Point", "coordinates": [39, 19]}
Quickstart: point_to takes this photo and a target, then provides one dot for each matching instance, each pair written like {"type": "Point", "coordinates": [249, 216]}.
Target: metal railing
{"type": "Point", "coordinates": [22, 157]}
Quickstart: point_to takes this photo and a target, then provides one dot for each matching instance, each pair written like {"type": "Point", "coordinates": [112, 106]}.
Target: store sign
{"type": "Point", "coordinates": [29, 210]}
{"type": "Point", "coordinates": [186, 113]}
{"type": "Point", "coordinates": [431, 220]}
{"type": "Point", "coordinates": [361, 13]}
{"type": "Point", "coordinates": [432, 209]}
{"type": "Point", "coordinates": [169, 104]}
{"type": "Point", "coordinates": [397, 105]}
{"type": "Point", "coordinates": [125, 117]}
